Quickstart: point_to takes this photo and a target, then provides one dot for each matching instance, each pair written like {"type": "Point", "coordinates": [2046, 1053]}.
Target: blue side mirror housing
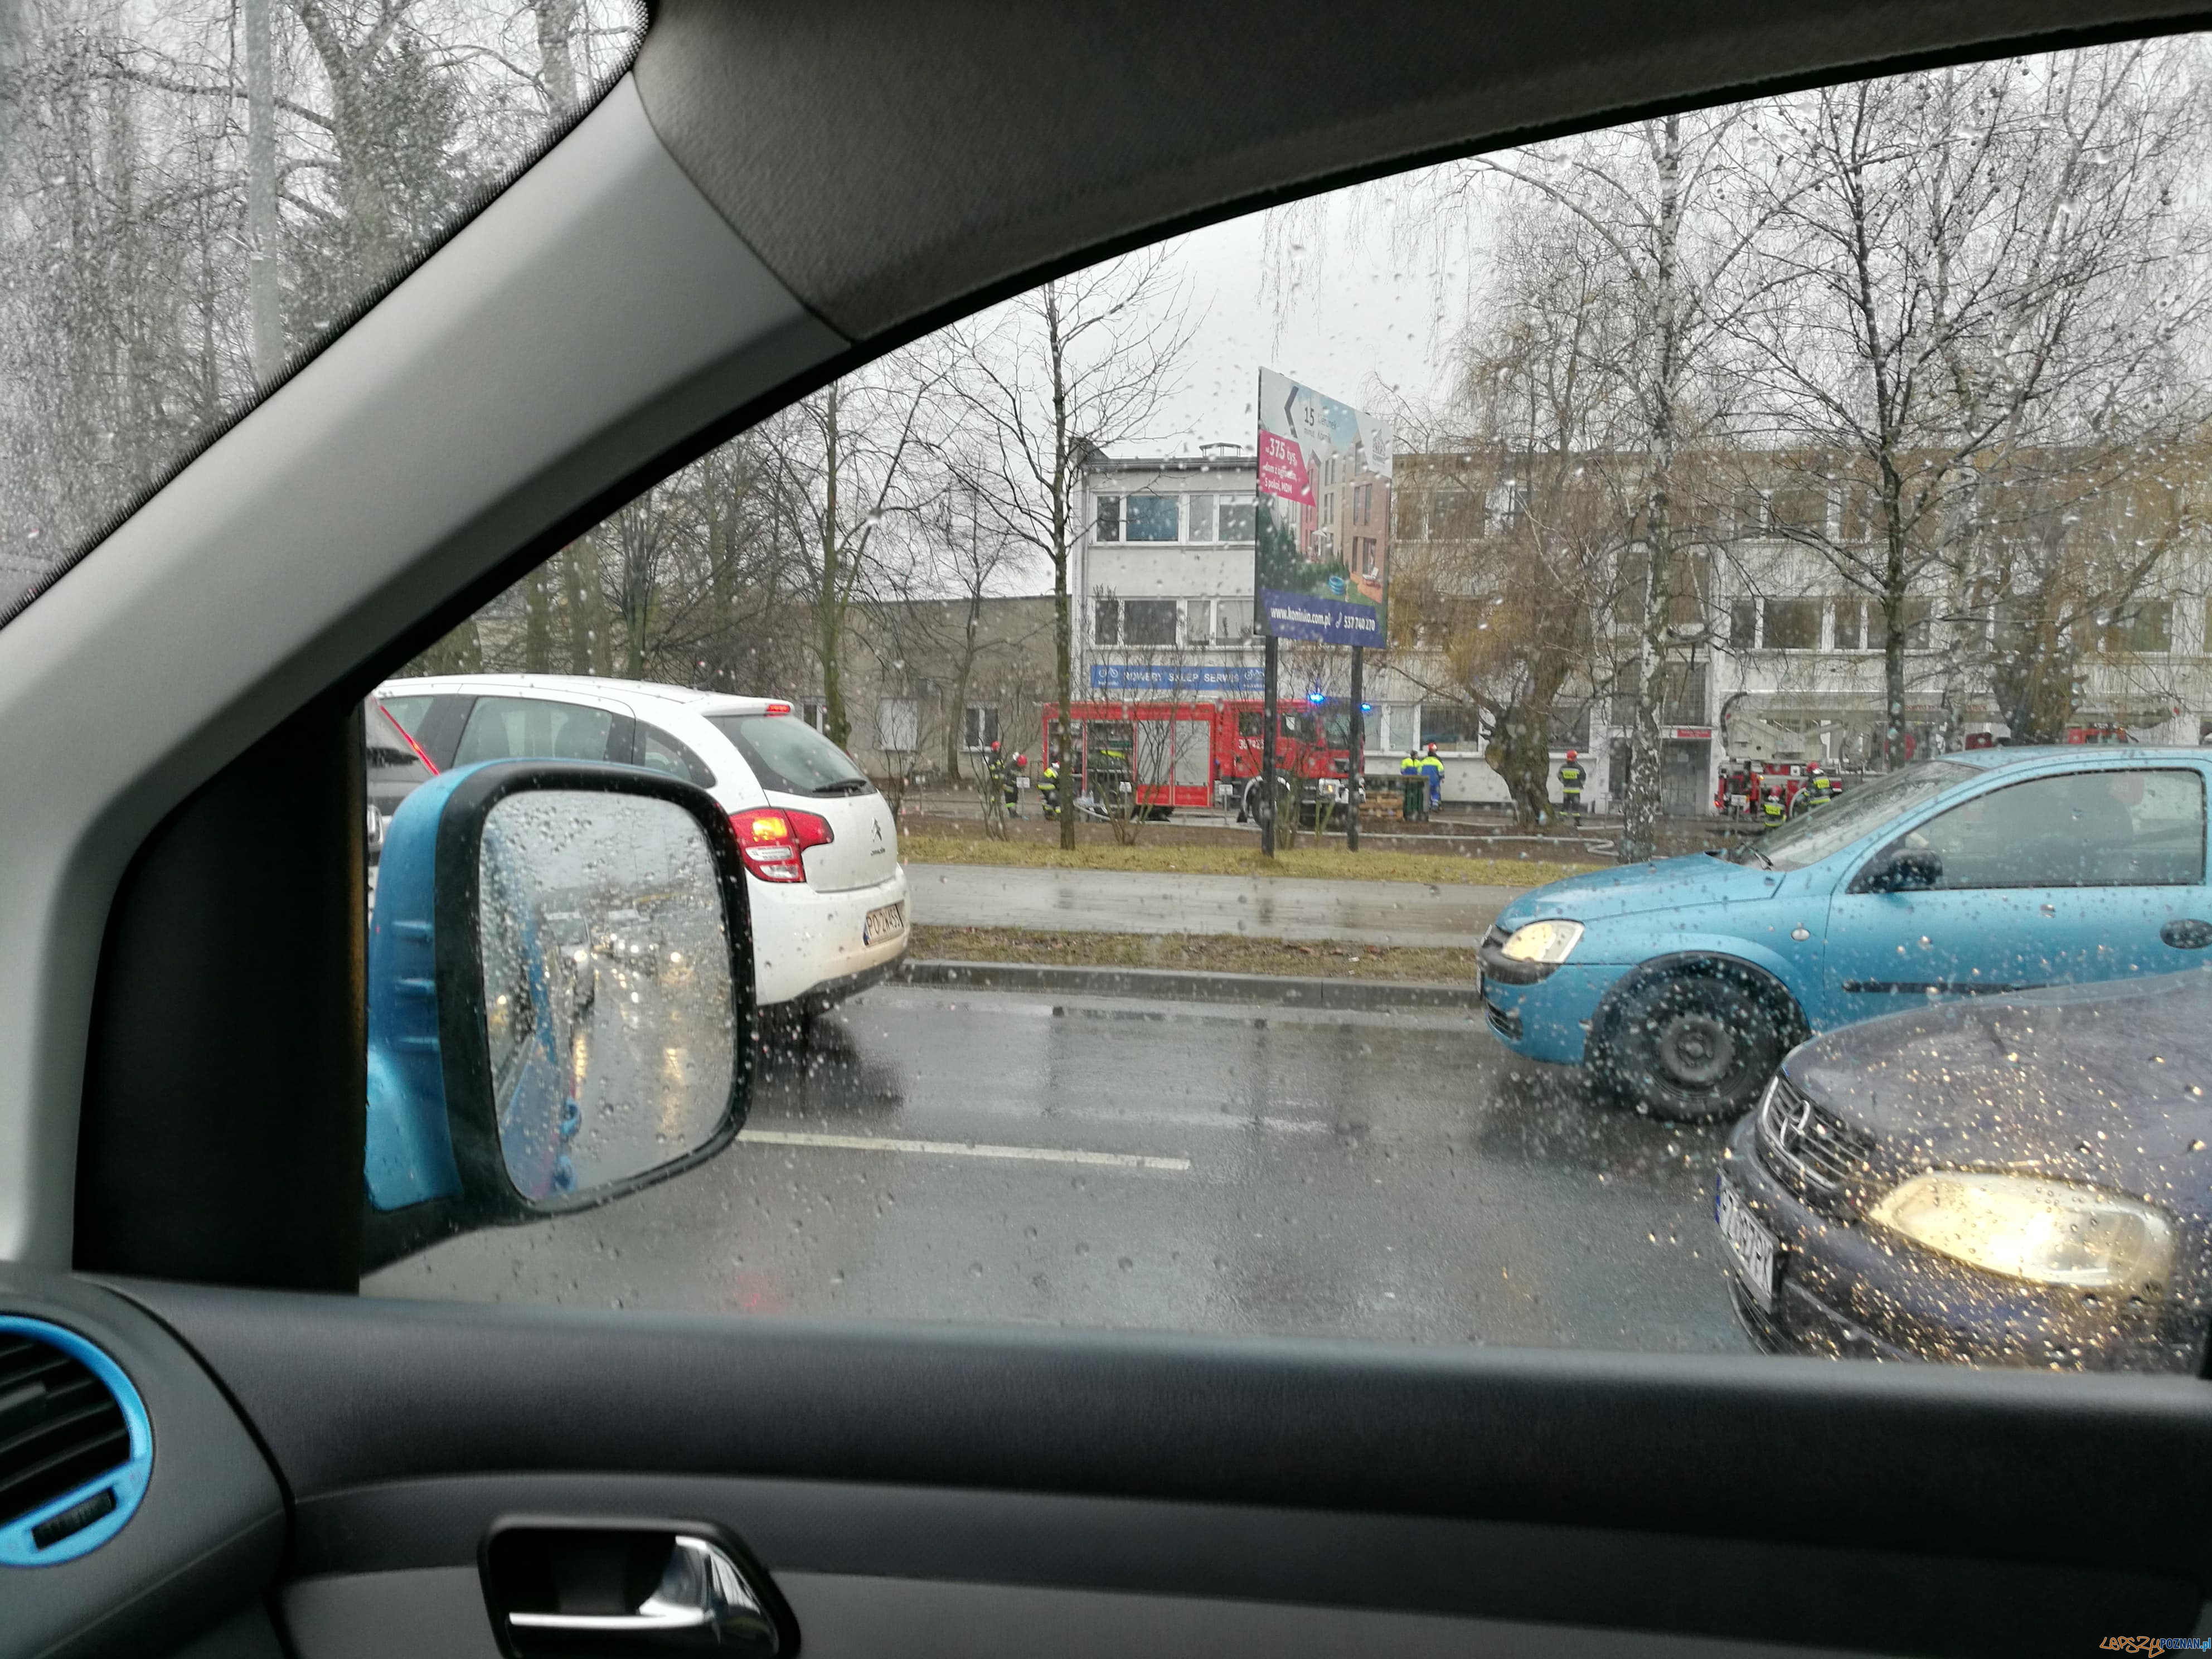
{"type": "Point", "coordinates": [560, 996]}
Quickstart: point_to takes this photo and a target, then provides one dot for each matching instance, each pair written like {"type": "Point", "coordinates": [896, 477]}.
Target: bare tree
{"type": "Point", "coordinates": [1515, 545]}
{"type": "Point", "coordinates": [967, 561]}
{"type": "Point", "coordinates": [847, 464]}
{"type": "Point", "coordinates": [1968, 321]}
{"type": "Point", "coordinates": [191, 196]}
{"type": "Point", "coordinates": [1045, 382]}
{"type": "Point", "coordinates": [1660, 227]}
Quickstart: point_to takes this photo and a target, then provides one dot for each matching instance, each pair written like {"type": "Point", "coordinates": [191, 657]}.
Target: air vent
{"type": "Point", "coordinates": [75, 1448]}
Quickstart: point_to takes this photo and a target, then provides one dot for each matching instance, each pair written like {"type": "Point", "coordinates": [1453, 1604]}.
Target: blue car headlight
{"type": "Point", "coordinates": [1542, 943]}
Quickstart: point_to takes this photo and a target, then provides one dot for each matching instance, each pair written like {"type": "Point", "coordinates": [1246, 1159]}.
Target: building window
{"type": "Point", "coordinates": [1151, 517]}
{"type": "Point", "coordinates": [1200, 520]}
{"type": "Point", "coordinates": [2143, 629]}
{"type": "Point", "coordinates": [1750, 513]}
{"type": "Point", "coordinates": [1793, 624]}
{"type": "Point", "coordinates": [1232, 618]}
{"type": "Point", "coordinates": [1682, 699]}
{"type": "Point", "coordinates": [1859, 515]}
{"type": "Point", "coordinates": [1456, 516]}
{"type": "Point", "coordinates": [1149, 621]}
{"type": "Point", "coordinates": [1106, 621]}
{"type": "Point", "coordinates": [1109, 518]}
{"type": "Point", "coordinates": [1450, 725]}
{"type": "Point", "coordinates": [1233, 519]}
{"type": "Point", "coordinates": [1917, 619]}
{"type": "Point", "coordinates": [1743, 625]}
{"type": "Point", "coordinates": [979, 726]}
{"type": "Point", "coordinates": [896, 725]}
{"type": "Point", "coordinates": [1800, 510]}
{"type": "Point", "coordinates": [1851, 623]}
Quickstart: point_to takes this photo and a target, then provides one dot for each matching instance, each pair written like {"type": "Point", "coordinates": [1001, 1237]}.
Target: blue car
{"type": "Point", "coordinates": [1680, 984]}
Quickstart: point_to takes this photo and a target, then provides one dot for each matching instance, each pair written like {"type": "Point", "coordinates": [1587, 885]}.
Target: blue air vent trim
{"type": "Point", "coordinates": [127, 1481]}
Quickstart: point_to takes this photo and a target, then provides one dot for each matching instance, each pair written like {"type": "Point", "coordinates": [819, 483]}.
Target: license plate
{"type": "Point", "coordinates": [1755, 1252]}
{"type": "Point", "coordinates": [886, 923]}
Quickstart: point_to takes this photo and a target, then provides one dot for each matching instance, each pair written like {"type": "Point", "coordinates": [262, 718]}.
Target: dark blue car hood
{"type": "Point", "coordinates": [2110, 1085]}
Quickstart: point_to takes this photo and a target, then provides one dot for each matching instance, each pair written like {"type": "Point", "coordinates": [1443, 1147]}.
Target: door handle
{"type": "Point", "coordinates": [700, 1586]}
{"type": "Point", "coordinates": [2186, 934]}
{"type": "Point", "coordinates": [704, 1590]}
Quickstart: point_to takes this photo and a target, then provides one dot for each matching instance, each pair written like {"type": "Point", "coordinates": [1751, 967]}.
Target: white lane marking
{"type": "Point", "coordinates": [966, 1149]}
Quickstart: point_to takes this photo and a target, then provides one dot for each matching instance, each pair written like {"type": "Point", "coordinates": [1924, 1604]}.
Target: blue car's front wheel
{"type": "Point", "coordinates": [1692, 1039]}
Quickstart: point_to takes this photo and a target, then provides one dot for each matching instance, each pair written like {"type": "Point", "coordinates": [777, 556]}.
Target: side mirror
{"type": "Point", "coordinates": [560, 996]}
{"type": "Point", "coordinates": [1902, 870]}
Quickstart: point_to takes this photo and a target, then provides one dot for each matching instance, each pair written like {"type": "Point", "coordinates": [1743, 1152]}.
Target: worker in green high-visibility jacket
{"type": "Point", "coordinates": [1415, 787]}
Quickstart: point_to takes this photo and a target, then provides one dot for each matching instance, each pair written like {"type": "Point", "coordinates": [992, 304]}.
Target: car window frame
{"type": "Point", "coordinates": [696, 769]}
{"type": "Point", "coordinates": [1865, 855]}
{"type": "Point", "coordinates": [2203, 829]}
{"type": "Point", "coordinates": [621, 730]}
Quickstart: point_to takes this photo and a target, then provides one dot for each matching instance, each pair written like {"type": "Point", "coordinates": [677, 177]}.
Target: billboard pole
{"type": "Point", "coordinates": [1268, 725]}
{"type": "Point", "coordinates": [1358, 762]}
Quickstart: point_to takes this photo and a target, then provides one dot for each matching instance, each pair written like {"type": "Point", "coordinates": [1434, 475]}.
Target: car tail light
{"type": "Point", "coordinates": [779, 708]}
{"type": "Point", "coordinates": [772, 839]}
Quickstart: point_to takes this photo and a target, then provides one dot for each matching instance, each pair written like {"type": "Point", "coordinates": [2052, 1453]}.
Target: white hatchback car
{"type": "Point", "coordinates": [829, 892]}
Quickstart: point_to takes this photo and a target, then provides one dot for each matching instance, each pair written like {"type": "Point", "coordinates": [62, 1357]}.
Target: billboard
{"type": "Point", "coordinates": [1321, 552]}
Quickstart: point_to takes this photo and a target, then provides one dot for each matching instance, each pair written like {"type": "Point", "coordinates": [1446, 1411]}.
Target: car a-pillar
{"type": "Point", "coordinates": [1692, 1038]}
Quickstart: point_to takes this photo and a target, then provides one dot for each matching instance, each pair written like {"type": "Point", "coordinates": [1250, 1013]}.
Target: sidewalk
{"type": "Point", "coordinates": [1123, 902]}
{"type": "Point", "coordinates": [1166, 985]}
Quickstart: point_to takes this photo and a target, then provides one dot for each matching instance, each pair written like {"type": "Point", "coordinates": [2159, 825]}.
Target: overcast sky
{"type": "Point", "coordinates": [1362, 320]}
{"type": "Point", "coordinates": [1352, 316]}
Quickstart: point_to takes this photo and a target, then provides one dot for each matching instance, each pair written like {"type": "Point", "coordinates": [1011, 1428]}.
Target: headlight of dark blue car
{"type": "Point", "coordinates": [2050, 1232]}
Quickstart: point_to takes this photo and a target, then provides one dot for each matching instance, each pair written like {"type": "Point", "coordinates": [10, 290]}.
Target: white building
{"type": "Point", "coordinates": [1163, 576]}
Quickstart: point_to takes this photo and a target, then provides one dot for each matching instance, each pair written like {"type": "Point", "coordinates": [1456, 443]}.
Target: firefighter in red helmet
{"type": "Point", "coordinates": [1571, 786]}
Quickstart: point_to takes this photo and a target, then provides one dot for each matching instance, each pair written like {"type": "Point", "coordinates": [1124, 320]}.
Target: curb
{"type": "Point", "coordinates": [1176, 985]}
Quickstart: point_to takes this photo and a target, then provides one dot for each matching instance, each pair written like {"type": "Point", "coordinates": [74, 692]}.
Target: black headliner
{"type": "Point", "coordinates": [896, 163]}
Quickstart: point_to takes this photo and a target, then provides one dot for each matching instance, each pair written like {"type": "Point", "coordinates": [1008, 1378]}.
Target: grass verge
{"type": "Point", "coordinates": [1331, 863]}
{"type": "Point", "coordinates": [1206, 954]}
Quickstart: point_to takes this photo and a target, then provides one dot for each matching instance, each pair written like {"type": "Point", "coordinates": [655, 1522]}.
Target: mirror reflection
{"type": "Point", "coordinates": [609, 1009]}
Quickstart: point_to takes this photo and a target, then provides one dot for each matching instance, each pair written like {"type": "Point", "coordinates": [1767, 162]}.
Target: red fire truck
{"type": "Point", "coordinates": [1159, 755]}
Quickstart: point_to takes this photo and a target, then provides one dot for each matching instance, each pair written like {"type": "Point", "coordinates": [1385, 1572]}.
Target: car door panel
{"type": "Point", "coordinates": [1551, 1488]}
{"type": "Point", "coordinates": [1893, 951]}
{"type": "Point", "coordinates": [1991, 929]}
{"type": "Point", "coordinates": [438, 1612]}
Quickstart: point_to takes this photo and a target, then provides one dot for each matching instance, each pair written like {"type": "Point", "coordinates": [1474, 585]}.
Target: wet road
{"type": "Point", "coordinates": [1397, 913]}
{"type": "Point", "coordinates": [1102, 1163]}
